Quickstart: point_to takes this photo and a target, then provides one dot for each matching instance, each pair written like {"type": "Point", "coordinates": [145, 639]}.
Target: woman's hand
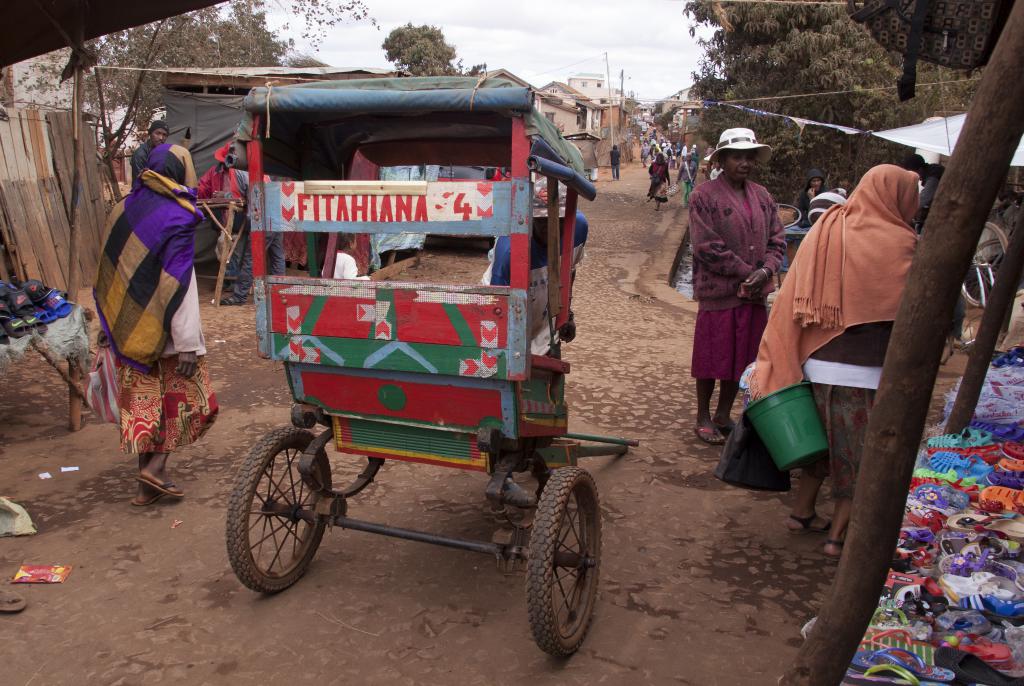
{"type": "Point", "coordinates": [187, 363]}
{"type": "Point", "coordinates": [754, 284]}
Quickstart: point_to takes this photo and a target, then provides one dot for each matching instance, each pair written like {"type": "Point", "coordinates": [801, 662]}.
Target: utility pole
{"type": "Point", "coordinates": [608, 79]}
{"type": "Point", "coordinates": [622, 104]}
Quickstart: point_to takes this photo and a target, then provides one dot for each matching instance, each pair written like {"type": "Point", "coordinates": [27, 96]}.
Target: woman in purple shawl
{"type": "Point", "coordinates": [148, 304]}
{"type": "Point", "coordinates": [738, 242]}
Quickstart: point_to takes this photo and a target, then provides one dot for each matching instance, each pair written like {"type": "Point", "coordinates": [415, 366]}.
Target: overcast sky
{"type": "Point", "coordinates": [539, 40]}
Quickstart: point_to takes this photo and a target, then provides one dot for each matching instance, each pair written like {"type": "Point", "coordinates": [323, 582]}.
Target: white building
{"type": "Point", "coordinates": [595, 87]}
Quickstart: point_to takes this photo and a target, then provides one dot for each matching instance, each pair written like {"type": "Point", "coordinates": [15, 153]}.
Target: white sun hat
{"type": "Point", "coordinates": [741, 139]}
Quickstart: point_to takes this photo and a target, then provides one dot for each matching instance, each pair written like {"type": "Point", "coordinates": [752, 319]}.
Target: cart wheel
{"type": "Point", "coordinates": [565, 553]}
{"type": "Point", "coordinates": [269, 544]}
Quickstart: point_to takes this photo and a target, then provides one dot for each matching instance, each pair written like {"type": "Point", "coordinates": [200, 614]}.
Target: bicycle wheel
{"type": "Point", "coordinates": [985, 264]}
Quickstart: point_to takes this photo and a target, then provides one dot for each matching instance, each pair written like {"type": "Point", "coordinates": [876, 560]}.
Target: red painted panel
{"type": "Point", "coordinates": [340, 317]}
{"type": "Point", "coordinates": [362, 395]}
{"type": "Point", "coordinates": [427, 322]}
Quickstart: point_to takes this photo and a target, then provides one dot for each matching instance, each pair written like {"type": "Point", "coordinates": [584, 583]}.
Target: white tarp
{"type": "Point", "coordinates": [939, 136]}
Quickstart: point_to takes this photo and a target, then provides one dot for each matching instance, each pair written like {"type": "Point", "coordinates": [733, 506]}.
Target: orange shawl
{"type": "Point", "coordinates": [850, 270]}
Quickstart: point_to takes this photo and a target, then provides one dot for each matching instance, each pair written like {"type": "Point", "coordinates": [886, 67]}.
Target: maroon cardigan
{"type": "Point", "coordinates": [726, 246]}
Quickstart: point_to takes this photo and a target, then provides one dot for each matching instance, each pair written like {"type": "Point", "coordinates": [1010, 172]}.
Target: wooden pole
{"type": "Point", "coordinates": [554, 277]}
{"type": "Point", "coordinates": [1000, 299]}
{"type": "Point", "coordinates": [990, 135]}
{"type": "Point", "coordinates": [74, 268]}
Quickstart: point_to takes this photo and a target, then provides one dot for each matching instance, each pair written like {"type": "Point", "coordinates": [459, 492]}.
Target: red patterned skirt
{"type": "Point", "coordinates": [163, 410]}
{"type": "Point", "coordinates": [726, 341]}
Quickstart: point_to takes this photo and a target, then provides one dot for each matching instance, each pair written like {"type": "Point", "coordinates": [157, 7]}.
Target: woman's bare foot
{"type": "Point", "coordinates": [833, 548]}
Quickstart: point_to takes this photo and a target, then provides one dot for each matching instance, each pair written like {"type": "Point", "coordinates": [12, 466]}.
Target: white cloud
{"type": "Point", "coordinates": [539, 40]}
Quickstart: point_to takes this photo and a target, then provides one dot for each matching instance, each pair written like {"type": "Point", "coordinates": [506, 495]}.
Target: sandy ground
{"type": "Point", "coordinates": [701, 583]}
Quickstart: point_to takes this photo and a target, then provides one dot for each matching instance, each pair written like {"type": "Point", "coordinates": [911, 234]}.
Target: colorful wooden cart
{"type": "Point", "coordinates": [434, 374]}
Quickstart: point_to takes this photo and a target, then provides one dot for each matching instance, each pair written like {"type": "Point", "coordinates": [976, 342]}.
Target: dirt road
{"type": "Point", "coordinates": [701, 583]}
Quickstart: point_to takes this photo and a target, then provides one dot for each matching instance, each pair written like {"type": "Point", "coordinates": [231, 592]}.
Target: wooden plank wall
{"type": "Point", "coordinates": [35, 196]}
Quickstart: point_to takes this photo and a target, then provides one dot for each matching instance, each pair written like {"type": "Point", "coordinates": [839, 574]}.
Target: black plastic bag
{"type": "Point", "coordinates": [746, 463]}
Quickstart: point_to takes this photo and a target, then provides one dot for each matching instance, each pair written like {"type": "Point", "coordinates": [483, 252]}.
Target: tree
{"type": "Point", "coordinates": [123, 95]}
{"type": "Point", "coordinates": [421, 51]}
{"type": "Point", "coordinates": [761, 51]}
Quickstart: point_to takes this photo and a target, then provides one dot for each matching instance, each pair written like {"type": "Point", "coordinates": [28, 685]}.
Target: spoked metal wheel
{"type": "Point", "coordinates": [272, 529]}
{"type": "Point", "coordinates": [988, 257]}
{"type": "Point", "coordinates": [564, 557]}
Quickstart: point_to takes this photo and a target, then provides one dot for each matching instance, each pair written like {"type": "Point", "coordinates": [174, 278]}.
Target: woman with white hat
{"type": "Point", "coordinates": [738, 244]}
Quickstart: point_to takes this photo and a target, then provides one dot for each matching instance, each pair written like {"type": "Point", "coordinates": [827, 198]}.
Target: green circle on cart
{"type": "Point", "coordinates": [392, 397]}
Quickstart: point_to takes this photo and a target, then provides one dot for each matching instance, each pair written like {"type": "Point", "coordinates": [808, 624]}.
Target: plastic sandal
{"type": "Point", "coordinates": [1010, 525]}
{"type": "Point", "coordinates": [942, 497]}
{"type": "Point", "coordinates": [865, 660]}
{"type": "Point", "coordinates": [1001, 499]}
{"type": "Point", "coordinates": [49, 299]}
{"type": "Point", "coordinates": [963, 465]}
{"type": "Point", "coordinates": [1013, 450]}
{"type": "Point", "coordinates": [968, 438]}
{"type": "Point", "coordinates": [1006, 432]}
{"type": "Point", "coordinates": [949, 476]}
{"type": "Point", "coordinates": [1007, 479]}
{"type": "Point", "coordinates": [969, 669]}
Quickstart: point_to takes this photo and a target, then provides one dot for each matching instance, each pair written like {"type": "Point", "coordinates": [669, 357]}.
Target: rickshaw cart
{"type": "Point", "coordinates": [434, 374]}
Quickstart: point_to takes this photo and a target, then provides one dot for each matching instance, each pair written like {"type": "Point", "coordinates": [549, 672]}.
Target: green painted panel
{"type": "Point", "coordinates": [425, 358]}
{"type": "Point", "coordinates": [412, 440]}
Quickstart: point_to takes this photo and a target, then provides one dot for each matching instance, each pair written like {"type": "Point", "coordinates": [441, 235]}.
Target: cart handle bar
{"type": "Point", "coordinates": [632, 442]}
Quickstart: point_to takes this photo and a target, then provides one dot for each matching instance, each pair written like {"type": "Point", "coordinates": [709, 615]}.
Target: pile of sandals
{"type": "Point", "coordinates": [28, 307]}
{"type": "Point", "coordinates": [952, 611]}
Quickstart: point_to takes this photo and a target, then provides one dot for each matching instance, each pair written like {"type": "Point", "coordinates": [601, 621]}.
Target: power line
{"type": "Point", "coordinates": [811, 95]}
{"type": "Point", "coordinates": [552, 71]}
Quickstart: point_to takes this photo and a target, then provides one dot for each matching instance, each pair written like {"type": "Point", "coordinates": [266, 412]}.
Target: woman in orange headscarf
{"type": "Point", "coordinates": [830, 324]}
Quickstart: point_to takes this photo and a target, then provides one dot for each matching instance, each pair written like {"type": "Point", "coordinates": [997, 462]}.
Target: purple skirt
{"type": "Point", "coordinates": [726, 341]}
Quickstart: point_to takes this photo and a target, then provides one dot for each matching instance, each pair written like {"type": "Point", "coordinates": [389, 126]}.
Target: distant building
{"type": "Point", "coordinates": [595, 87]}
{"type": "Point", "coordinates": [556, 101]}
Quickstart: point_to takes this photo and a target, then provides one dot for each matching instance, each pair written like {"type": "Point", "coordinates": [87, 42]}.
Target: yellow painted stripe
{"type": "Point", "coordinates": [548, 421]}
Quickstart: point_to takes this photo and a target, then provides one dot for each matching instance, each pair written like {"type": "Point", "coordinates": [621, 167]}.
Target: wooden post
{"type": "Point", "coordinates": [74, 396]}
{"type": "Point", "coordinates": [554, 282]}
{"type": "Point", "coordinates": [999, 301]}
{"type": "Point", "coordinates": [74, 268]}
{"type": "Point", "coordinates": [990, 135]}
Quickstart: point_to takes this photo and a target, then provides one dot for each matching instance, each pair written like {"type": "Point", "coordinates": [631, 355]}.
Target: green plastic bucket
{"type": "Point", "coordinates": [788, 423]}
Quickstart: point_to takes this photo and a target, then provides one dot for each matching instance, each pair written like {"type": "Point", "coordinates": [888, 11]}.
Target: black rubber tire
{"type": "Point", "coordinates": [545, 596]}
{"type": "Point", "coordinates": [273, 448]}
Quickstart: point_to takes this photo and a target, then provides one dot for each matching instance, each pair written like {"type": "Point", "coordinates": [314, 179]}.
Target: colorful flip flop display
{"type": "Point", "coordinates": [952, 611]}
{"type": "Point", "coordinates": [28, 307]}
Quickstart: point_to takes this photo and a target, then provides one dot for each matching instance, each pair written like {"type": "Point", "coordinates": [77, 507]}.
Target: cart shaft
{"type": "Point", "coordinates": [632, 442]}
{"type": "Point", "coordinates": [484, 547]}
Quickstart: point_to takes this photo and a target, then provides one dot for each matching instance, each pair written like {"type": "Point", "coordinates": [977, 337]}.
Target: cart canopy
{"type": "Point", "coordinates": [315, 128]}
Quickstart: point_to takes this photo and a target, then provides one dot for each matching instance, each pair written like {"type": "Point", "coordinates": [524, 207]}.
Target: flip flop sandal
{"type": "Point", "coordinates": [708, 434]}
{"type": "Point", "coordinates": [232, 300]}
{"type": "Point", "coordinates": [971, 669]}
{"type": "Point", "coordinates": [11, 602]}
{"type": "Point", "coordinates": [726, 429]}
{"type": "Point", "coordinates": [134, 502]}
{"type": "Point", "coordinates": [865, 660]}
{"type": "Point", "coordinates": [990, 652]}
{"type": "Point", "coordinates": [806, 525]}
{"type": "Point", "coordinates": [165, 488]}
{"type": "Point", "coordinates": [876, 638]}
{"type": "Point", "coordinates": [968, 438]}
{"type": "Point", "coordinates": [838, 544]}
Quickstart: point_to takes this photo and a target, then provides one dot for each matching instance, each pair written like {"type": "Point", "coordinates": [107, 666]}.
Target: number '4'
{"type": "Point", "coordinates": [462, 207]}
